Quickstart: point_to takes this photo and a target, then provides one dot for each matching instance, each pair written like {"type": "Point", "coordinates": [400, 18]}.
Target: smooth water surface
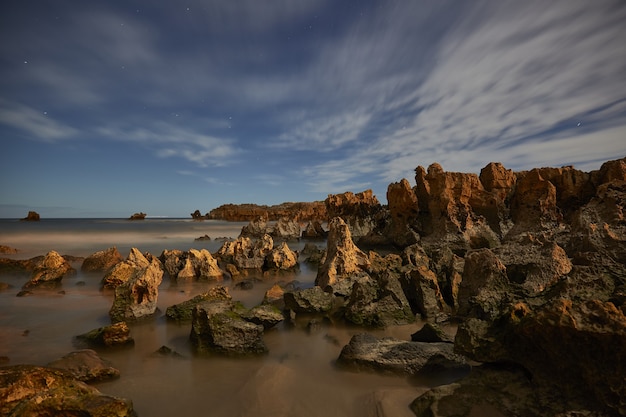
{"type": "Point", "coordinates": [296, 378]}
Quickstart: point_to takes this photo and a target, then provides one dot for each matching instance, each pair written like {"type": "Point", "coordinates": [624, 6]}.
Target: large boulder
{"type": "Point", "coordinates": [27, 390]}
{"type": "Point", "coordinates": [49, 271]}
{"type": "Point", "coordinates": [217, 327]}
{"type": "Point", "coordinates": [343, 257]}
{"type": "Point", "coordinates": [137, 297]}
{"type": "Point", "coordinates": [102, 261]}
{"type": "Point", "coordinates": [308, 301]}
{"type": "Point", "coordinates": [245, 253]}
{"type": "Point", "coordinates": [172, 261]}
{"type": "Point", "coordinates": [125, 270]}
{"type": "Point", "coordinates": [281, 258]}
{"type": "Point", "coordinates": [394, 356]}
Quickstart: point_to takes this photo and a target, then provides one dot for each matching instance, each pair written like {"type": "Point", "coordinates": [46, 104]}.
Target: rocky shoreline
{"type": "Point", "coordinates": [530, 265]}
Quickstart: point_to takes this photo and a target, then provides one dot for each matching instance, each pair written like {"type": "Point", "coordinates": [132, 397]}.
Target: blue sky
{"type": "Point", "coordinates": [113, 107]}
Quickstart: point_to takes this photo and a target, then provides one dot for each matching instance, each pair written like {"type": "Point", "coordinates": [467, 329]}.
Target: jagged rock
{"type": "Point", "coordinates": [204, 265]}
{"type": "Point", "coordinates": [274, 296]}
{"type": "Point", "coordinates": [256, 228]}
{"type": "Point", "coordinates": [137, 216]}
{"type": "Point", "coordinates": [32, 216]}
{"type": "Point", "coordinates": [281, 258]}
{"type": "Point", "coordinates": [196, 215]}
{"type": "Point", "coordinates": [102, 261]}
{"type": "Point", "coordinates": [343, 257]}
{"type": "Point", "coordinates": [533, 206]}
{"type": "Point", "coordinates": [422, 287]}
{"type": "Point", "coordinates": [245, 253]}
{"type": "Point", "coordinates": [312, 254]}
{"type": "Point", "coordinates": [431, 333]}
{"type": "Point", "coordinates": [49, 271]}
{"type": "Point", "coordinates": [404, 211]}
{"type": "Point", "coordinates": [203, 238]}
{"type": "Point", "coordinates": [314, 230]}
{"type": "Point", "coordinates": [137, 297]}
{"type": "Point", "coordinates": [117, 334]}
{"type": "Point", "coordinates": [125, 270]}
{"type": "Point", "coordinates": [286, 229]}
{"type": "Point", "coordinates": [85, 365]}
{"type": "Point", "coordinates": [172, 261]}
{"type": "Point", "coordinates": [359, 210]}
{"type": "Point", "coordinates": [389, 355]}
{"type": "Point", "coordinates": [28, 390]}
{"type": "Point", "coordinates": [218, 328]}
{"type": "Point", "coordinates": [309, 301]}
{"type": "Point", "coordinates": [184, 311]}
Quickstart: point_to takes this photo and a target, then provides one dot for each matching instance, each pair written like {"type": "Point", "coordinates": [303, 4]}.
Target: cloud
{"type": "Point", "coordinates": [35, 123]}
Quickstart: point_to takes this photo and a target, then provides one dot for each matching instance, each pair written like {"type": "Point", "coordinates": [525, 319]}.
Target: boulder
{"type": "Point", "coordinates": [172, 261]}
{"type": "Point", "coordinates": [256, 228]}
{"type": "Point", "coordinates": [204, 265]}
{"type": "Point", "coordinates": [394, 356]}
{"type": "Point", "coordinates": [117, 334]}
{"type": "Point", "coordinates": [266, 315]}
{"type": "Point", "coordinates": [343, 257]}
{"type": "Point", "coordinates": [314, 230]}
{"type": "Point", "coordinates": [281, 258]}
{"type": "Point", "coordinates": [286, 229]}
{"type": "Point", "coordinates": [137, 297]}
{"type": "Point", "coordinates": [422, 287]}
{"type": "Point", "coordinates": [184, 311]}
{"type": "Point", "coordinates": [102, 261]}
{"type": "Point", "coordinates": [49, 271]}
{"type": "Point", "coordinates": [431, 333]}
{"type": "Point", "coordinates": [218, 328]}
{"type": "Point", "coordinates": [137, 216]}
{"type": "Point", "coordinates": [308, 301]}
{"type": "Point", "coordinates": [125, 270]}
{"type": "Point", "coordinates": [28, 390]}
{"type": "Point", "coordinates": [85, 365]}
{"type": "Point", "coordinates": [245, 253]}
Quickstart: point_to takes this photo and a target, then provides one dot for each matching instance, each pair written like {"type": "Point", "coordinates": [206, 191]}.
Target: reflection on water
{"type": "Point", "coordinates": [296, 378]}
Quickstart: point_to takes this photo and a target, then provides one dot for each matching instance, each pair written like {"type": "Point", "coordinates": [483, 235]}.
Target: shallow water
{"type": "Point", "coordinates": [297, 377]}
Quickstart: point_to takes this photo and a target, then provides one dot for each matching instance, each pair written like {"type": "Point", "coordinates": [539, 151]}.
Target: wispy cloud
{"type": "Point", "coordinates": [34, 123]}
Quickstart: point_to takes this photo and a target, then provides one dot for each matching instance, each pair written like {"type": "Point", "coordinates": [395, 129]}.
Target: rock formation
{"type": "Point", "coordinates": [49, 271]}
{"type": "Point", "coordinates": [32, 216]}
{"type": "Point", "coordinates": [86, 366]}
{"type": "Point", "coordinates": [183, 312]}
{"type": "Point", "coordinates": [102, 261]}
{"type": "Point", "coordinates": [247, 212]}
{"type": "Point", "coordinates": [27, 390]}
{"type": "Point", "coordinates": [283, 229]}
{"type": "Point", "coordinates": [360, 211]}
{"type": "Point", "coordinates": [137, 216]}
{"type": "Point", "coordinates": [137, 297]}
{"type": "Point", "coordinates": [117, 334]}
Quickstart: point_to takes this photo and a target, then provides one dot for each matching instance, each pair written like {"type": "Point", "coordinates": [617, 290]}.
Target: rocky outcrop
{"type": "Point", "coordinates": [137, 216]}
{"type": "Point", "coordinates": [404, 211]}
{"type": "Point", "coordinates": [343, 257]}
{"type": "Point", "coordinates": [117, 334]}
{"type": "Point", "coordinates": [281, 258]}
{"type": "Point", "coordinates": [27, 390]}
{"type": "Point", "coordinates": [284, 229]}
{"type": "Point", "coordinates": [198, 265]}
{"type": "Point", "coordinates": [49, 271]}
{"type": "Point", "coordinates": [102, 261]}
{"type": "Point", "coordinates": [196, 215]}
{"type": "Point", "coordinates": [314, 230]}
{"type": "Point", "coordinates": [125, 270]}
{"type": "Point", "coordinates": [247, 212]}
{"type": "Point", "coordinates": [86, 366]}
{"type": "Point", "coordinates": [32, 216]}
{"type": "Point", "coordinates": [359, 211]}
{"type": "Point", "coordinates": [137, 297]}
{"type": "Point", "coordinates": [217, 327]}
{"type": "Point", "coordinates": [7, 250]}
{"type": "Point", "coordinates": [389, 355]}
{"type": "Point", "coordinates": [245, 253]}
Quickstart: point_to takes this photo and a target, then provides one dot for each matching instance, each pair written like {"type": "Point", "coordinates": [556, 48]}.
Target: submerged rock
{"type": "Point", "coordinates": [117, 334]}
{"type": "Point", "coordinates": [184, 311]}
{"type": "Point", "coordinates": [27, 390]}
{"type": "Point", "coordinates": [85, 365]}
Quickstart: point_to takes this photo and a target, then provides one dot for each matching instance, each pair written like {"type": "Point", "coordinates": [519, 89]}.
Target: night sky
{"type": "Point", "coordinates": [113, 107]}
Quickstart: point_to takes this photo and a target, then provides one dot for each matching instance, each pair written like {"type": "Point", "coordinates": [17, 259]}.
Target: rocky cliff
{"type": "Point", "coordinates": [248, 212]}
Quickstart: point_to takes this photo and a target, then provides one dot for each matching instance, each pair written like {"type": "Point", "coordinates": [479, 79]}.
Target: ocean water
{"type": "Point", "coordinates": [297, 378]}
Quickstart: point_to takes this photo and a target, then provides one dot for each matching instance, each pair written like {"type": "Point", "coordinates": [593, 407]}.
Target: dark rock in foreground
{"type": "Point", "coordinates": [27, 390]}
{"type": "Point", "coordinates": [389, 355]}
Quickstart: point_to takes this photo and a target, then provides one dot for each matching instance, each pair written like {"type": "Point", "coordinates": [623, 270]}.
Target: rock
{"type": "Point", "coordinates": [422, 287]}
{"type": "Point", "coordinates": [359, 211]}
{"type": "Point", "coordinates": [196, 215]}
{"type": "Point", "coordinates": [102, 261]}
{"type": "Point", "coordinates": [286, 229]}
{"type": "Point", "coordinates": [4, 286]}
{"type": "Point", "coordinates": [281, 258]}
{"type": "Point", "coordinates": [86, 366]}
{"type": "Point", "coordinates": [204, 265]}
{"type": "Point", "coordinates": [184, 311]}
{"type": "Point", "coordinates": [172, 261]}
{"type": "Point", "coordinates": [27, 390]}
{"type": "Point", "coordinates": [266, 315]}
{"type": "Point", "coordinates": [315, 210]}
{"type": "Point", "coordinates": [217, 328]}
{"type": "Point", "coordinates": [246, 254]}
{"type": "Point", "coordinates": [274, 296]}
{"type": "Point", "coordinates": [137, 216]}
{"type": "Point", "coordinates": [314, 230]}
{"type": "Point", "coordinates": [117, 334]}
{"type": "Point", "coordinates": [167, 351]}
{"type": "Point", "coordinates": [7, 250]}
{"type": "Point", "coordinates": [312, 254]}
{"type": "Point", "coordinates": [204, 238]}
{"type": "Point", "coordinates": [533, 205]}
{"type": "Point", "coordinates": [256, 228]}
{"type": "Point", "coordinates": [125, 270]}
{"type": "Point", "coordinates": [431, 333]}
{"type": "Point", "coordinates": [308, 301]}
{"type": "Point", "coordinates": [343, 257]}
{"type": "Point", "coordinates": [32, 216]}
{"type": "Point", "coordinates": [49, 271]}
{"type": "Point", "coordinates": [394, 356]}
{"type": "Point", "coordinates": [137, 297]}
{"type": "Point", "coordinates": [404, 211]}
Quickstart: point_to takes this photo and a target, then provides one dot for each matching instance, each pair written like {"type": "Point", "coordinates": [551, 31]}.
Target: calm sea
{"type": "Point", "coordinates": [296, 378]}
